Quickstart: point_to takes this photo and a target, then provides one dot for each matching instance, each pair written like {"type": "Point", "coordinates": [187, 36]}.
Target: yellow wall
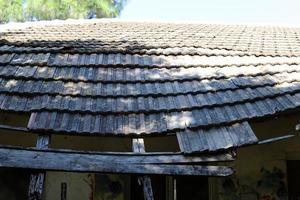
{"type": "Point", "coordinates": [82, 181]}
{"type": "Point", "coordinates": [261, 169]}
{"type": "Point", "coordinates": [79, 185]}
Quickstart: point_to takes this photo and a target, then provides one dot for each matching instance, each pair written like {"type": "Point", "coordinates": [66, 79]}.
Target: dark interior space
{"type": "Point", "coordinates": [293, 172]}
{"type": "Point", "coordinates": [14, 184]}
{"type": "Point", "coordinates": [158, 183]}
{"type": "Point", "coordinates": [191, 188]}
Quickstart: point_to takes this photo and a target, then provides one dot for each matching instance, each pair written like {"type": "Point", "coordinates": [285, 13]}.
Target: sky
{"type": "Point", "coordinates": [273, 12]}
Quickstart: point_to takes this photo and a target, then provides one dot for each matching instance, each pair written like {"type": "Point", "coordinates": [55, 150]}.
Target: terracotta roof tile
{"type": "Point", "coordinates": [124, 78]}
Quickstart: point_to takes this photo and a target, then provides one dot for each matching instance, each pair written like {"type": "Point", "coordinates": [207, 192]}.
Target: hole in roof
{"type": "Point", "coordinates": [161, 144]}
{"type": "Point", "coordinates": [113, 144]}
{"type": "Point", "coordinates": [276, 126]}
{"type": "Point", "coordinates": [91, 143]}
{"type": "Point", "coordinates": [16, 138]}
{"type": "Point", "coordinates": [14, 119]}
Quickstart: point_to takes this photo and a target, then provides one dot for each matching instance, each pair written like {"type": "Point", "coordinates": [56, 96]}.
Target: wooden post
{"type": "Point", "coordinates": [145, 181]}
{"type": "Point", "coordinates": [37, 179]}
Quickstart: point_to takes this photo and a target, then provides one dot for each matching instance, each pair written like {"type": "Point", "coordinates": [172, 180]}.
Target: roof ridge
{"type": "Point", "coordinates": [22, 25]}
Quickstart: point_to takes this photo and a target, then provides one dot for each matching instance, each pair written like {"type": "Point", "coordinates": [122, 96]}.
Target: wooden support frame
{"type": "Point", "coordinates": [120, 157]}
{"type": "Point", "coordinates": [139, 146]}
{"type": "Point", "coordinates": [55, 160]}
{"type": "Point", "coordinates": [36, 183]}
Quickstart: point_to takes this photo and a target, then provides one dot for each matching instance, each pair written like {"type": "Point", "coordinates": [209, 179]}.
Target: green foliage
{"type": "Point", "coordinates": [31, 10]}
{"type": "Point", "coordinates": [11, 10]}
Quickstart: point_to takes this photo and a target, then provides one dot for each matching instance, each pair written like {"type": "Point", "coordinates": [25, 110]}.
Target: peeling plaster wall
{"type": "Point", "coordinates": [260, 175]}
{"type": "Point", "coordinates": [261, 170]}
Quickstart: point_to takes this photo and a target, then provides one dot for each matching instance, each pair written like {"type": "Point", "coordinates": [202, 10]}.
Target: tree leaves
{"type": "Point", "coordinates": [33, 10]}
{"type": "Point", "coordinates": [11, 10]}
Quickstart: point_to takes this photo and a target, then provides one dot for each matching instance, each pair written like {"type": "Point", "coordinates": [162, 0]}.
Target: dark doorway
{"type": "Point", "coordinates": [158, 183]}
{"type": "Point", "coordinates": [293, 172]}
{"type": "Point", "coordinates": [14, 184]}
{"type": "Point", "coordinates": [192, 188]}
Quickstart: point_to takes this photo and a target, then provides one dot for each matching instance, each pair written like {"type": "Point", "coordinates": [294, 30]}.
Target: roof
{"type": "Point", "coordinates": [135, 79]}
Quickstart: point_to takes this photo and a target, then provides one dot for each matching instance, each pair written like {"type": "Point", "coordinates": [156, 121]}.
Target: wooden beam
{"type": "Point", "coordinates": [13, 128]}
{"type": "Point", "coordinates": [36, 184]}
{"type": "Point", "coordinates": [131, 157]}
{"type": "Point", "coordinates": [80, 162]}
{"type": "Point", "coordinates": [139, 147]}
{"type": "Point", "coordinates": [275, 139]}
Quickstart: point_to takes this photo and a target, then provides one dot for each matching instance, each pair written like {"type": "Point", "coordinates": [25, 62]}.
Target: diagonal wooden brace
{"type": "Point", "coordinates": [36, 184]}
{"type": "Point", "coordinates": [145, 181]}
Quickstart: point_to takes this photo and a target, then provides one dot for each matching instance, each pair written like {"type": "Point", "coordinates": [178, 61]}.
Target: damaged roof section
{"type": "Point", "coordinates": [201, 82]}
{"type": "Point", "coordinates": [216, 138]}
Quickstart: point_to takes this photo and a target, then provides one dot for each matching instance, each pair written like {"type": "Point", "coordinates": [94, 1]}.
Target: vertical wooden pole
{"type": "Point", "coordinates": [139, 147]}
{"type": "Point", "coordinates": [170, 188]}
{"type": "Point", "coordinates": [37, 179]}
{"type": "Point", "coordinates": [63, 194]}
